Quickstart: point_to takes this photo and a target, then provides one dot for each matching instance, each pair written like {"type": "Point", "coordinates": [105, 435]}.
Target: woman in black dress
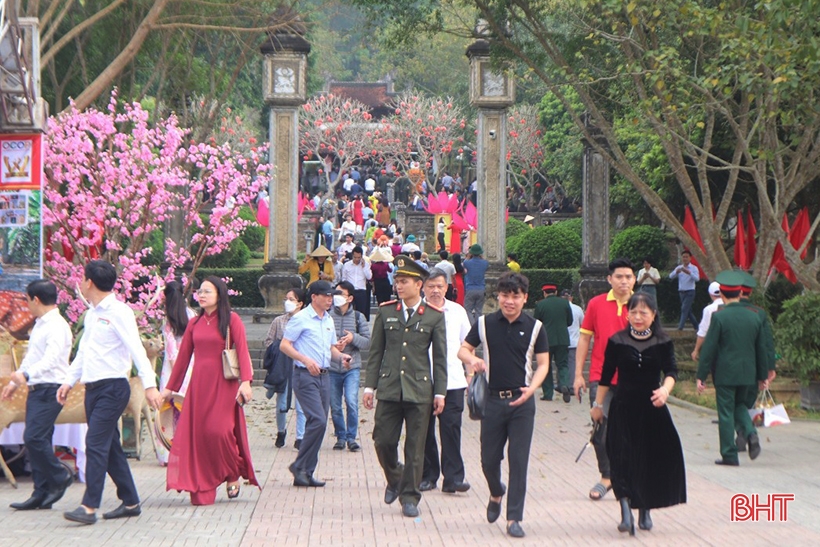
{"type": "Point", "coordinates": [642, 443]}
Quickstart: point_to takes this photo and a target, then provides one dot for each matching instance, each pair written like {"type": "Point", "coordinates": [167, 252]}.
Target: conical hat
{"type": "Point", "coordinates": [167, 418]}
{"type": "Point", "coordinates": [379, 256]}
{"type": "Point", "coordinates": [320, 251]}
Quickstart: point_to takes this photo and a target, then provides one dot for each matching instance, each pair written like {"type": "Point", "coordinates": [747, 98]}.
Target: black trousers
{"type": "Point", "coordinates": [361, 302]}
{"type": "Point", "coordinates": [105, 402]}
{"type": "Point", "coordinates": [599, 441]}
{"type": "Point", "coordinates": [449, 429]}
{"type": "Point", "coordinates": [390, 416]}
{"type": "Point", "coordinates": [313, 394]}
{"type": "Point", "coordinates": [503, 423]}
{"type": "Point", "coordinates": [42, 409]}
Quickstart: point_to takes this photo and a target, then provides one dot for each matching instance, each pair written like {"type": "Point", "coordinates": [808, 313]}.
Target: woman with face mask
{"type": "Point", "coordinates": [294, 302]}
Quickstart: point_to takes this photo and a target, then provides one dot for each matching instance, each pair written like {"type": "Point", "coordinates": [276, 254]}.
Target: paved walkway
{"type": "Point", "coordinates": [350, 511]}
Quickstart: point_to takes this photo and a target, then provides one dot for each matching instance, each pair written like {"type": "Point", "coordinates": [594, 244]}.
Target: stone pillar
{"type": "Point", "coordinates": [285, 83]}
{"type": "Point", "coordinates": [595, 254]}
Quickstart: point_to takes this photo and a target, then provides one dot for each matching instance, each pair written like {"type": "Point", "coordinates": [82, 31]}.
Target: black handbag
{"type": "Point", "coordinates": [477, 396]}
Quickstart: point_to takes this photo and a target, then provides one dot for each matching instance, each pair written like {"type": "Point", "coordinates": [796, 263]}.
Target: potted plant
{"type": "Point", "coordinates": [797, 335]}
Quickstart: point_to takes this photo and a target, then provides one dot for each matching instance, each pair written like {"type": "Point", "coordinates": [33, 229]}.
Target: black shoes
{"type": "Point", "coordinates": [34, 502]}
{"type": "Point", "coordinates": [726, 462]}
{"type": "Point", "coordinates": [427, 485]}
{"type": "Point", "coordinates": [55, 496]}
{"type": "Point", "coordinates": [353, 446]}
{"type": "Point", "coordinates": [315, 483]}
{"type": "Point", "coordinates": [340, 445]}
{"type": "Point", "coordinates": [280, 440]}
{"type": "Point", "coordinates": [297, 444]}
{"type": "Point", "coordinates": [740, 443]}
{"type": "Point", "coordinates": [79, 515]}
{"type": "Point", "coordinates": [300, 478]}
{"type": "Point", "coordinates": [567, 396]}
{"type": "Point", "coordinates": [754, 446]}
{"type": "Point", "coordinates": [409, 510]}
{"type": "Point", "coordinates": [494, 507]}
{"type": "Point", "coordinates": [515, 530]}
{"type": "Point", "coordinates": [390, 494]}
{"type": "Point", "coordinates": [644, 520]}
{"type": "Point", "coordinates": [627, 524]}
{"type": "Point", "coordinates": [122, 512]}
{"type": "Point", "coordinates": [456, 487]}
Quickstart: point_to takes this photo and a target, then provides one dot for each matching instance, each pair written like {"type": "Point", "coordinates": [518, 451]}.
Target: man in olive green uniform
{"type": "Point", "coordinates": [556, 315]}
{"type": "Point", "coordinates": [749, 283]}
{"type": "Point", "coordinates": [734, 351]}
{"type": "Point", "coordinates": [407, 386]}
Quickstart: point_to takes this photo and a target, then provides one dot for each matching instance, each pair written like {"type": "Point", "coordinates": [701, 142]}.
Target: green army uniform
{"type": "Point", "coordinates": [399, 370]}
{"type": "Point", "coordinates": [556, 315]}
{"type": "Point", "coordinates": [734, 351]}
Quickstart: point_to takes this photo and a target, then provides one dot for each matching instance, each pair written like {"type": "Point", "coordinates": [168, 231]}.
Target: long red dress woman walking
{"type": "Point", "coordinates": [210, 444]}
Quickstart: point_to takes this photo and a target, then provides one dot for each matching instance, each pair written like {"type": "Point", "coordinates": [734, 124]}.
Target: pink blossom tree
{"type": "Point", "coordinates": [113, 178]}
{"type": "Point", "coordinates": [424, 130]}
{"type": "Point", "coordinates": [336, 129]}
{"type": "Point", "coordinates": [525, 153]}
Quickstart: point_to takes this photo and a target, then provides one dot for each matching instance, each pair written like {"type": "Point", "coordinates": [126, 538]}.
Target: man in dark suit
{"type": "Point", "coordinates": [556, 315]}
{"type": "Point", "coordinates": [399, 371]}
{"type": "Point", "coordinates": [735, 353]}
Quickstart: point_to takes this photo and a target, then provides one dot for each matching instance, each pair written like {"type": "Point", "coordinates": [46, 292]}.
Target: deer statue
{"type": "Point", "coordinates": [14, 410]}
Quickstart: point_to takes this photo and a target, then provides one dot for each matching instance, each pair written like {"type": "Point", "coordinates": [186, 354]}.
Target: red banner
{"type": "Point", "coordinates": [21, 162]}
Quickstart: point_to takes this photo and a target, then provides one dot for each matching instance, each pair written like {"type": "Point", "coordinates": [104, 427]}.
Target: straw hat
{"type": "Point", "coordinates": [320, 251]}
{"type": "Point", "coordinates": [529, 218]}
{"type": "Point", "coordinates": [379, 256]}
{"type": "Point", "coordinates": [167, 418]}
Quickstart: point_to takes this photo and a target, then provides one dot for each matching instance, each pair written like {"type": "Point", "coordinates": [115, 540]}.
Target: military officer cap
{"type": "Point", "coordinates": [549, 287]}
{"type": "Point", "coordinates": [730, 280]}
{"type": "Point", "coordinates": [749, 282]}
{"type": "Point", "coordinates": [408, 267]}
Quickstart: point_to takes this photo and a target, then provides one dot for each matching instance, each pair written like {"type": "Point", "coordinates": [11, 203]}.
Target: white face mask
{"type": "Point", "coordinates": [339, 300]}
{"type": "Point", "coordinates": [290, 306]}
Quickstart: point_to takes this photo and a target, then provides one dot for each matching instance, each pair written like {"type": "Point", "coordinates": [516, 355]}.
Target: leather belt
{"type": "Point", "coordinates": [505, 393]}
{"type": "Point", "coordinates": [35, 387]}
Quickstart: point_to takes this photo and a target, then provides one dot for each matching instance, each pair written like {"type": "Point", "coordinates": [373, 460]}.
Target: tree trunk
{"type": "Point", "coordinates": [103, 81]}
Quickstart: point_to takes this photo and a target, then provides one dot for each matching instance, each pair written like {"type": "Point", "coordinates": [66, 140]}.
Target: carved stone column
{"type": "Point", "coordinates": [595, 254]}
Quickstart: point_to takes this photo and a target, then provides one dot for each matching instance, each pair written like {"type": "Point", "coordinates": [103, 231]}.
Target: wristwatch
{"type": "Point", "coordinates": [595, 404]}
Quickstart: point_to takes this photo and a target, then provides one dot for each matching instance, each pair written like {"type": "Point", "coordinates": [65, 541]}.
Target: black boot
{"type": "Point", "coordinates": [280, 440]}
{"type": "Point", "coordinates": [627, 524]}
{"type": "Point", "coordinates": [644, 520]}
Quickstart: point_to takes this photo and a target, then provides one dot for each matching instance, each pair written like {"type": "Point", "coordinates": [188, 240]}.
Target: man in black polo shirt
{"type": "Point", "coordinates": [509, 339]}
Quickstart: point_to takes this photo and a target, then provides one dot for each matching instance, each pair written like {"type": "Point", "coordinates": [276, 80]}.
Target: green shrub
{"type": "Point", "coordinates": [513, 243]}
{"type": "Point", "coordinates": [156, 240]}
{"type": "Point", "coordinates": [246, 282]}
{"type": "Point", "coordinates": [550, 247]}
{"type": "Point", "coordinates": [235, 256]}
{"type": "Point", "coordinates": [797, 333]}
{"type": "Point", "coordinates": [574, 224]}
{"type": "Point", "coordinates": [638, 242]}
{"type": "Point", "coordinates": [254, 235]}
{"type": "Point", "coordinates": [564, 278]}
{"type": "Point", "coordinates": [516, 227]}
{"type": "Point", "coordinates": [669, 300]}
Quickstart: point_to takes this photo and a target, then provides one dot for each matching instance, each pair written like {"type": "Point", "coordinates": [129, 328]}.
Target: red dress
{"type": "Point", "coordinates": [210, 443]}
{"type": "Point", "coordinates": [358, 219]}
{"type": "Point", "coordinates": [458, 285]}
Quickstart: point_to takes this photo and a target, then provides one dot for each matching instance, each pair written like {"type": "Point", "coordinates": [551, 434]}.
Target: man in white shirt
{"type": "Point", "coordinates": [369, 185]}
{"type": "Point", "coordinates": [43, 368]}
{"type": "Point", "coordinates": [346, 247]}
{"type": "Point", "coordinates": [110, 343]}
{"type": "Point", "coordinates": [451, 465]}
{"type": "Point", "coordinates": [357, 273]}
{"type": "Point", "coordinates": [410, 246]}
{"type": "Point", "coordinates": [348, 226]}
{"type": "Point", "coordinates": [575, 328]}
{"type": "Point", "coordinates": [649, 278]}
{"type": "Point", "coordinates": [450, 271]}
{"type": "Point", "coordinates": [706, 320]}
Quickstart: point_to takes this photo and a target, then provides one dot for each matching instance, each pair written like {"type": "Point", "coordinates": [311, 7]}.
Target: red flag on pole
{"type": "Point", "coordinates": [779, 261]}
{"type": "Point", "coordinates": [751, 244]}
{"type": "Point", "coordinates": [799, 230]}
{"type": "Point", "coordinates": [741, 259]}
{"type": "Point", "coordinates": [691, 228]}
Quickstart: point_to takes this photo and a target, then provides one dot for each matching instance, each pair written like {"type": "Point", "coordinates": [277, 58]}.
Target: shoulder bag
{"type": "Point", "coordinates": [230, 361]}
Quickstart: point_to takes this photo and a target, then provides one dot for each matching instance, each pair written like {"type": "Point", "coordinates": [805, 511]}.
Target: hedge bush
{"type": "Point", "coordinates": [516, 227]}
{"type": "Point", "coordinates": [550, 247]}
{"type": "Point", "coordinates": [254, 235]}
{"type": "Point", "coordinates": [236, 255]}
{"type": "Point", "coordinates": [244, 281]}
{"type": "Point", "coordinates": [514, 243]}
{"type": "Point", "coordinates": [638, 242]}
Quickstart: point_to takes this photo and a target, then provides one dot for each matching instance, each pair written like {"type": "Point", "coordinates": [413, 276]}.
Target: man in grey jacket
{"type": "Point", "coordinates": [353, 335]}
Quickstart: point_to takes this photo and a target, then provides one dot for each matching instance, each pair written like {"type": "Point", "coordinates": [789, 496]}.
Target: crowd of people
{"type": "Point", "coordinates": [424, 349]}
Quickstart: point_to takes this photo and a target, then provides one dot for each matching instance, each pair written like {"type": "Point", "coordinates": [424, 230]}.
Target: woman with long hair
{"type": "Point", "coordinates": [642, 443]}
{"type": "Point", "coordinates": [177, 314]}
{"type": "Point", "coordinates": [294, 302]}
{"type": "Point", "coordinates": [210, 443]}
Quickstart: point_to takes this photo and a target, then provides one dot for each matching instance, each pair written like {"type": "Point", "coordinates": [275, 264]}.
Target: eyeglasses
{"type": "Point", "coordinates": [203, 291]}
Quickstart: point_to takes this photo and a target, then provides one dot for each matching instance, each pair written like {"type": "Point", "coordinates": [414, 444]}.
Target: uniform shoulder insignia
{"type": "Point", "coordinates": [388, 303]}
{"type": "Point", "coordinates": [432, 307]}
